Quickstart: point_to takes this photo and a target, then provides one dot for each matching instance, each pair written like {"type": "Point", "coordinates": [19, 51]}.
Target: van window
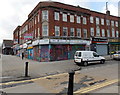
{"type": "Point", "coordinates": [79, 54]}
{"type": "Point", "coordinates": [95, 54]}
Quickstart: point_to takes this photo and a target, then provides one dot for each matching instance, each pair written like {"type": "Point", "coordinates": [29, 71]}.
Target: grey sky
{"type": "Point", "coordinates": [15, 12]}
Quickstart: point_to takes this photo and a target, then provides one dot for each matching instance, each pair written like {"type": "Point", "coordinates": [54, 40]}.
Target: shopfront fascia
{"type": "Point", "coordinates": [114, 45]}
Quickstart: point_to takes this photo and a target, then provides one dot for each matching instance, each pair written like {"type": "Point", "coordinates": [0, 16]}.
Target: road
{"type": "Point", "coordinates": [13, 69]}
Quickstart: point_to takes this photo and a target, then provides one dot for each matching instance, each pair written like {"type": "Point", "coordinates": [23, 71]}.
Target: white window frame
{"type": "Point", "coordinates": [57, 31]}
{"type": "Point", "coordinates": [92, 31]}
{"type": "Point", "coordinates": [97, 31]}
{"type": "Point", "coordinates": [78, 19]}
{"type": "Point", "coordinates": [65, 28]}
{"type": "Point", "coordinates": [108, 33]}
{"type": "Point", "coordinates": [112, 22]}
{"type": "Point", "coordinates": [103, 32]}
{"type": "Point", "coordinates": [57, 16]}
{"type": "Point", "coordinates": [97, 21]}
{"type": "Point", "coordinates": [107, 22]}
{"type": "Point", "coordinates": [78, 32]}
{"type": "Point", "coordinates": [117, 33]}
{"type": "Point", "coordinates": [38, 32]}
{"type": "Point", "coordinates": [71, 18]}
{"type": "Point", "coordinates": [113, 32]}
{"type": "Point", "coordinates": [84, 20]}
{"type": "Point", "coordinates": [44, 30]}
{"type": "Point", "coordinates": [45, 15]}
{"type": "Point", "coordinates": [84, 32]}
{"type": "Point", "coordinates": [102, 21]}
{"type": "Point", "coordinates": [64, 17]}
{"type": "Point", "coordinates": [72, 31]}
{"type": "Point", "coordinates": [116, 23]}
{"type": "Point", "coordinates": [91, 19]}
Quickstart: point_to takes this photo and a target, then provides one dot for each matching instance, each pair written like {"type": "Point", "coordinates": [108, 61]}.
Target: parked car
{"type": "Point", "coordinates": [87, 57]}
{"type": "Point", "coordinates": [116, 55]}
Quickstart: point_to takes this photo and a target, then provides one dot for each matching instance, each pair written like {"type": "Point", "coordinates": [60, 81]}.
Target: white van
{"type": "Point", "coordinates": [87, 57]}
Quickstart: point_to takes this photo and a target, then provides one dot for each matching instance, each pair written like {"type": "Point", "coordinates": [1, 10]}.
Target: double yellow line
{"type": "Point", "coordinates": [91, 88]}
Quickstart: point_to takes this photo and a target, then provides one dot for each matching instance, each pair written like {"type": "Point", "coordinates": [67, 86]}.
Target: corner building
{"type": "Point", "coordinates": [58, 30]}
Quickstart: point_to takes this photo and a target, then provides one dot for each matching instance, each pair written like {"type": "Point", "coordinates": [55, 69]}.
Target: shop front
{"type": "Point", "coordinates": [114, 45]}
{"type": "Point", "coordinates": [29, 51]}
{"type": "Point", "coordinates": [100, 45]}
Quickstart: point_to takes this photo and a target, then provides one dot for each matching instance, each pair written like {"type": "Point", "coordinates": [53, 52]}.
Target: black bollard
{"type": "Point", "coordinates": [70, 85]}
{"type": "Point", "coordinates": [26, 69]}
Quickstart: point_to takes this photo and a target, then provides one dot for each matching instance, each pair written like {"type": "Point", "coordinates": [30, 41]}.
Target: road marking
{"type": "Point", "coordinates": [91, 88]}
{"type": "Point", "coordinates": [16, 82]}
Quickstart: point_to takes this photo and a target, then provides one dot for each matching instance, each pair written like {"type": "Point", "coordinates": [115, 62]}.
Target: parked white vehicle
{"type": "Point", "coordinates": [87, 57]}
{"type": "Point", "coordinates": [116, 55]}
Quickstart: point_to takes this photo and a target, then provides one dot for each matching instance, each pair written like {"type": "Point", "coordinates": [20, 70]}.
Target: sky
{"type": "Point", "coordinates": [15, 12]}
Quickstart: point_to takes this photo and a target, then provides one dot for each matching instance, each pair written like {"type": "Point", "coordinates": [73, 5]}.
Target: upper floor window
{"type": "Point", "coordinates": [78, 19]}
{"type": "Point", "coordinates": [64, 17]}
{"type": "Point", "coordinates": [38, 17]}
{"type": "Point", "coordinates": [84, 20]}
{"type": "Point", "coordinates": [78, 32]}
{"type": "Point", "coordinates": [91, 19]}
{"type": "Point", "coordinates": [72, 32]}
{"type": "Point", "coordinates": [112, 23]}
{"type": "Point", "coordinates": [97, 31]}
{"type": "Point", "coordinates": [92, 31]}
{"type": "Point", "coordinates": [71, 18]}
{"type": "Point", "coordinates": [102, 21]}
{"type": "Point", "coordinates": [117, 34]}
{"type": "Point", "coordinates": [108, 22]}
{"type": "Point", "coordinates": [113, 32]}
{"type": "Point", "coordinates": [65, 31]}
{"type": "Point", "coordinates": [103, 32]}
{"type": "Point", "coordinates": [45, 30]}
{"type": "Point", "coordinates": [85, 33]}
{"type": "Point", "coordinates": [108, 33]}
{"type": "Point", "coordinates": [45, 15]}
{"type": "Point", "coordinates": [97, 20]}
{"type": "Point", "coordinates": [56, 16]}
{"type": "Point", "coordinates": [116, 23]}
{"type": "Point", "coordinates": [57, 31]}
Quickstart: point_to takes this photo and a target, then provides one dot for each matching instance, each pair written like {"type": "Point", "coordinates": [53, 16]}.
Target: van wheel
{"type": "Point", "coordinates": [102, 61]}
{"type": "Point", "coordinates": [85, 63]}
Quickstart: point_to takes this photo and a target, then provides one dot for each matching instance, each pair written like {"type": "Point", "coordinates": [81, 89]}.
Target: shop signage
{"type": "Point", "coordinates": [79, 42]}
{"type": "Point", "coordinates": [24, 45]}
{"type": "Point", "coordinates": [28, 36]}
{"type": "Point", "coordinates": [44, 41]}
{"type": "Point", "coordinates": [59, 41]}
{"type": "Point", "coordinates": [36, 42]}
{"type": "Point", "coordinates": [99, 40]}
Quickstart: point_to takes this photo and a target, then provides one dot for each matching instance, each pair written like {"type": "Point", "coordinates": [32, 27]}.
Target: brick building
{"type": "Point", "coordinates": [54, 31]}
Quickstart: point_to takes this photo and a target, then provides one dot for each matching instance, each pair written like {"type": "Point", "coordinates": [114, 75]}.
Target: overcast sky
{"type": "Point", "coordinates": [15, 12]}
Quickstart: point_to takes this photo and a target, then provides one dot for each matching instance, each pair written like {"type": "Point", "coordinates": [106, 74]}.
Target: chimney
{"type": "Point", "coordinates": [107, 12]}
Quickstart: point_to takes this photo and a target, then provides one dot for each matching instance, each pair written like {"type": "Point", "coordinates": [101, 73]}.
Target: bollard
{"type": "Point", "coordinates": [70, 85]}
{"type": "Point", "coordinates": [26, 69]}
